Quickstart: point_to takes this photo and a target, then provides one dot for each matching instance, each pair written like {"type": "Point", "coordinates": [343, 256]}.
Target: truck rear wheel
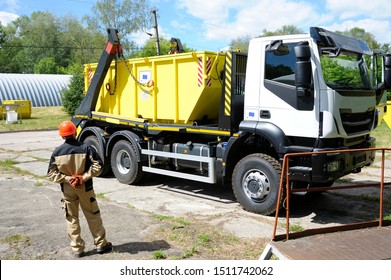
{"type": "Point", "coordinates": [124, 163]}
{"type": "Point", "coordinates": [94, 143]}
{"type": "Point", "coordinates": [255, 182]}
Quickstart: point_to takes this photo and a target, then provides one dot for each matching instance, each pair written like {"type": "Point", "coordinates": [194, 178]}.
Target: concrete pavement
{"type": "Point", "coordinates": [125, 207]}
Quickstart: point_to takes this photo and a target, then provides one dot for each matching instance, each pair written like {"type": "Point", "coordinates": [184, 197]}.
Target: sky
{"type": "Point", "coordinates": [212, 25]}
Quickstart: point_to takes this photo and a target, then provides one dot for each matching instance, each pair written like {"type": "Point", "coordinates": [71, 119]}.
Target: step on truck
{"type": "Point", "coordinates": [229, 118]}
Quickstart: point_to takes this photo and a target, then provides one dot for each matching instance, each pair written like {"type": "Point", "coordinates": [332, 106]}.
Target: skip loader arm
{"type": "Point", "coordinates": [113, 48]}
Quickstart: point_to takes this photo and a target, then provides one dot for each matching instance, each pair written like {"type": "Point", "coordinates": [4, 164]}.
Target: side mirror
{"type": "Point", "coordinates": [387, 71]}
{"type": "Point", "coordinates": [303, 76]}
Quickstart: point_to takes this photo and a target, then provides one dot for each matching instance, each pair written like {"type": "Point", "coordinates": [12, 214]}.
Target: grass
{"type": "Point", "coordinates": [41, 118]}
{"type": "Point", "coordinates": [16, 243]}
{"type": "Point", "coordinates": [383, 136]}
{"type": "Point", "coordinates": [296, 228]}
{"type": "Point", "coordinates": [200, 240]}
{"type": "Point", "coordinates": [17, 238]}
{"type": "Point", "coordinates": [9, 165]}
{"type": "Point", "coordinates": [159, 255]}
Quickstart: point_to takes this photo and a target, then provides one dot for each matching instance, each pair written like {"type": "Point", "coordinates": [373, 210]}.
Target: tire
{"type": "Point", "coordinates": [94, 142]}
{"type": "Point", "coordinates": [255, 183]}
{"type": "Point", "coordinates": [124, 163]}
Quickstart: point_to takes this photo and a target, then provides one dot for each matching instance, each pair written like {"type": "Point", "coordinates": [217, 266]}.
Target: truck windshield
{"type": "Point", "coordinates": [345, 71]}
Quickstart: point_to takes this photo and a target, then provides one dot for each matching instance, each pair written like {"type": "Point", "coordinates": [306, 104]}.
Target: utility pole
{"type": "Point", "coordinates": [156, 33]}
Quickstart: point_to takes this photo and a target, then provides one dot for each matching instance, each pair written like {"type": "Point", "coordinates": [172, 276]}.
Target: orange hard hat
{"type": "Point", "coordinates": [66, 128]}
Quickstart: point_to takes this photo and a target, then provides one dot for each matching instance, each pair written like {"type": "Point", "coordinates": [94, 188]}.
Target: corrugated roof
{"type": "Point", "coordinates": [42, 90]}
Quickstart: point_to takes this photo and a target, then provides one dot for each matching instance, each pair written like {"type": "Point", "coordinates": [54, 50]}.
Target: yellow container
{"type": "Point", "coordinates": [24, 108]}
{"type": "Point", "coordinates": [387, 116]}
{"type": "Point", "coordinates": [175, 89]}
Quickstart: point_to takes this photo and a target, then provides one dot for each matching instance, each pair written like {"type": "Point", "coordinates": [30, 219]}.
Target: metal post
{"type": "Point", "coordinates": [156, 33]}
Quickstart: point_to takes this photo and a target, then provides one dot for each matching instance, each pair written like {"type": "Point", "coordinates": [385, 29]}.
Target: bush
{"type": "Point", "coordinates": [72, 96]}
{"type": "Point", "coordinates": [389, 96]}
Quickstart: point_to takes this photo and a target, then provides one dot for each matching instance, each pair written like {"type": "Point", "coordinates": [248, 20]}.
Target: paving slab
{"type": "Point", "coordinates": [361, 244]}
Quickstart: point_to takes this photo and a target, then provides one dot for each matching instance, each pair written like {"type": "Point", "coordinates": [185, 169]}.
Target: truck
{"type": "Point", "coordinates": [229, 118]}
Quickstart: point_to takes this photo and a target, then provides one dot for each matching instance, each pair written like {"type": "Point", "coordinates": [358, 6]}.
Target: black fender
{"type": "Point", "coordinates": [273, 134]}
{"type": "Point", "coordinates": [269, 131]}
{"type": "Point", "coordinates": [128, 135]}
{"type": "Point", "coordinates": [96, 131]}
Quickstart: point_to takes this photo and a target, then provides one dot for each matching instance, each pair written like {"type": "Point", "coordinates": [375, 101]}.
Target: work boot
{"type": "Point", "coordinates": [107, 248]}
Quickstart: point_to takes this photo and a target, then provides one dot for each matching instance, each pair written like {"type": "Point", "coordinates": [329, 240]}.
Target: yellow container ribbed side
{"type": "Point", "coordinates": [177, 89]}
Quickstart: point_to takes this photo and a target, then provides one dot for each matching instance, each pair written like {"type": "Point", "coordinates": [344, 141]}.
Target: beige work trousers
{"type": "Point", "coordinates": [72, 198]}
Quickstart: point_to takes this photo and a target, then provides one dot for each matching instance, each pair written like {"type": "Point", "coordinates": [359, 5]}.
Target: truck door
{"type": "Point", "coordinates": [280, 70]}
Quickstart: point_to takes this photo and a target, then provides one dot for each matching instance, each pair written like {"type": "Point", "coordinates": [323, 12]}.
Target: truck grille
{"type": "Point", "coordinates": [355, 123]}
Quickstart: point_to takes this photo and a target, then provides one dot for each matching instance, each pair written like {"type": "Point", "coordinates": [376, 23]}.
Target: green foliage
{"type": "Point", "coordinates": [2, 34]}
{"type": "Point", "coordinates": [46, 65]}
{"type": "Point", "coordinates": [389, 95]}
{"type": "Point", "coordinates": [34, 44]}
{"type": "Point", "coordinates": [284, 30]}
{"type": "Point", "coordinates": [149, 48]}
{"type": "Point", "coordinates": [159, 255]}
{"type": "Point", "coordinates": [71, 97]}
{"type": "Point", "coordinates": [334, 72]}
{"type": "Point", "coordinates": [361, 34]}
{"type": "Point", "coordinates": [128, 16]}
{"type": "Point", "coordinates": [240, 44]}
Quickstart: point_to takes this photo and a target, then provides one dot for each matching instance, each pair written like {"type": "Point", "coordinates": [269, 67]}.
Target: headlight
{"type": "Point", "coordinates": [333, 166]}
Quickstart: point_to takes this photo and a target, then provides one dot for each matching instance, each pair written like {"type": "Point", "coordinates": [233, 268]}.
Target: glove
{"type": "Point", "coordinates": [76, 181]}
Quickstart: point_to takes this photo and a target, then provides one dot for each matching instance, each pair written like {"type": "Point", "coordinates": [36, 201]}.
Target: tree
{"type": "Point", "coordinates": [10, 58]}
{"type": "Point", "coordinates": [2, 34]}
{"type": "Point", "coordinates": [29, 43]}
{"type": "Point", "coordinates": [72, 96]}
{"type": "Point", "coordinates": [240, 44]}
{"type": "Point", "coordinates": [85, 43]}
{"type": "Point", "coordinates": [149, 48]}
{"type": "Point", "coordinates": [39, 35]}
{"type": "Point", "coordinates": [284, 30]}
{"type": "Point", "coordinates": [360, 33]}
{"type": "Point", "coordinates": [46, 65]}
{"type": "Point", "coordinates": [243, 42]}
{"type": "Point", "coordinates": [128, 16]}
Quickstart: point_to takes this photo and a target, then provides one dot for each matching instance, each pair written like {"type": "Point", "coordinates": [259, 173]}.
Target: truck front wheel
{"type": "Point", "coordinates": [124, 163]}
{"type": "Point", "coordinates": [255, 182]}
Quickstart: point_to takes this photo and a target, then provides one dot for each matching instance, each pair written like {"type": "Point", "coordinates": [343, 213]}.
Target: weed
{"type": "Point", "coordinates": [190, 252]}
{"type": "Point", "coordinates": [203, 238]}
{"type": "Point", "coordinates": [39, 184]}
{"type": "Point", "coordinates": [296, 228]}
{"type": "Point", "coordinates": [100, 195]}
{"type": "Point", "coordinates": [14, 239]}
{"type": "Point", "coordinates": [387, 218]}
{"type": "Point", "coordinates": [8, 164]}
{"type": "Point", "coordinates": [179, 222]}
{"type": "Point", "coordinates": [159, 255]}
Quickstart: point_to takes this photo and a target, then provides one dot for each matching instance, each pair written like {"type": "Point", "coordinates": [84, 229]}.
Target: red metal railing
{"type": "Point", "coordinates": [288, 191]}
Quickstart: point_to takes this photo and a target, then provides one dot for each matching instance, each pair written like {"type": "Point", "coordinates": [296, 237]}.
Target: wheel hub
{"type": "Point", "coordinates": [123, 162]}
{"type": "Point", "coordinates": [256, 185]}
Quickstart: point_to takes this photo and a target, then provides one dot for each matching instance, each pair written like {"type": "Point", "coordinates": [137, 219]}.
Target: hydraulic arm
{"type": "Point", "coordinates": [113, 48]}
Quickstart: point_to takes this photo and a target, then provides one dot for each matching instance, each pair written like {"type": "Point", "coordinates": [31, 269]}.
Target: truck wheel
{"type": "Point", "coordinates": [124, 163]}
{"type": "Point", "coordinates": [94, 142]}
{"type": "Point", "coordinates": [255, 182]}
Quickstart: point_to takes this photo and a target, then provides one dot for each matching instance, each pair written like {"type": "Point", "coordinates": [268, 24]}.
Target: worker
{"type": "Point", "coordinates": [73, 164]}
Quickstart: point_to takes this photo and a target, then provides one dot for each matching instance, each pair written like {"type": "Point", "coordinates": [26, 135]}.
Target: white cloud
{"type": "Point", "coordinates": [7, 17]}
{"type": "Point", "coordinates": [226, 21]}
{"type": "Point", "coordinates": [380, 28]}
{"type": "Point", "coordinates": [348, 9]}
